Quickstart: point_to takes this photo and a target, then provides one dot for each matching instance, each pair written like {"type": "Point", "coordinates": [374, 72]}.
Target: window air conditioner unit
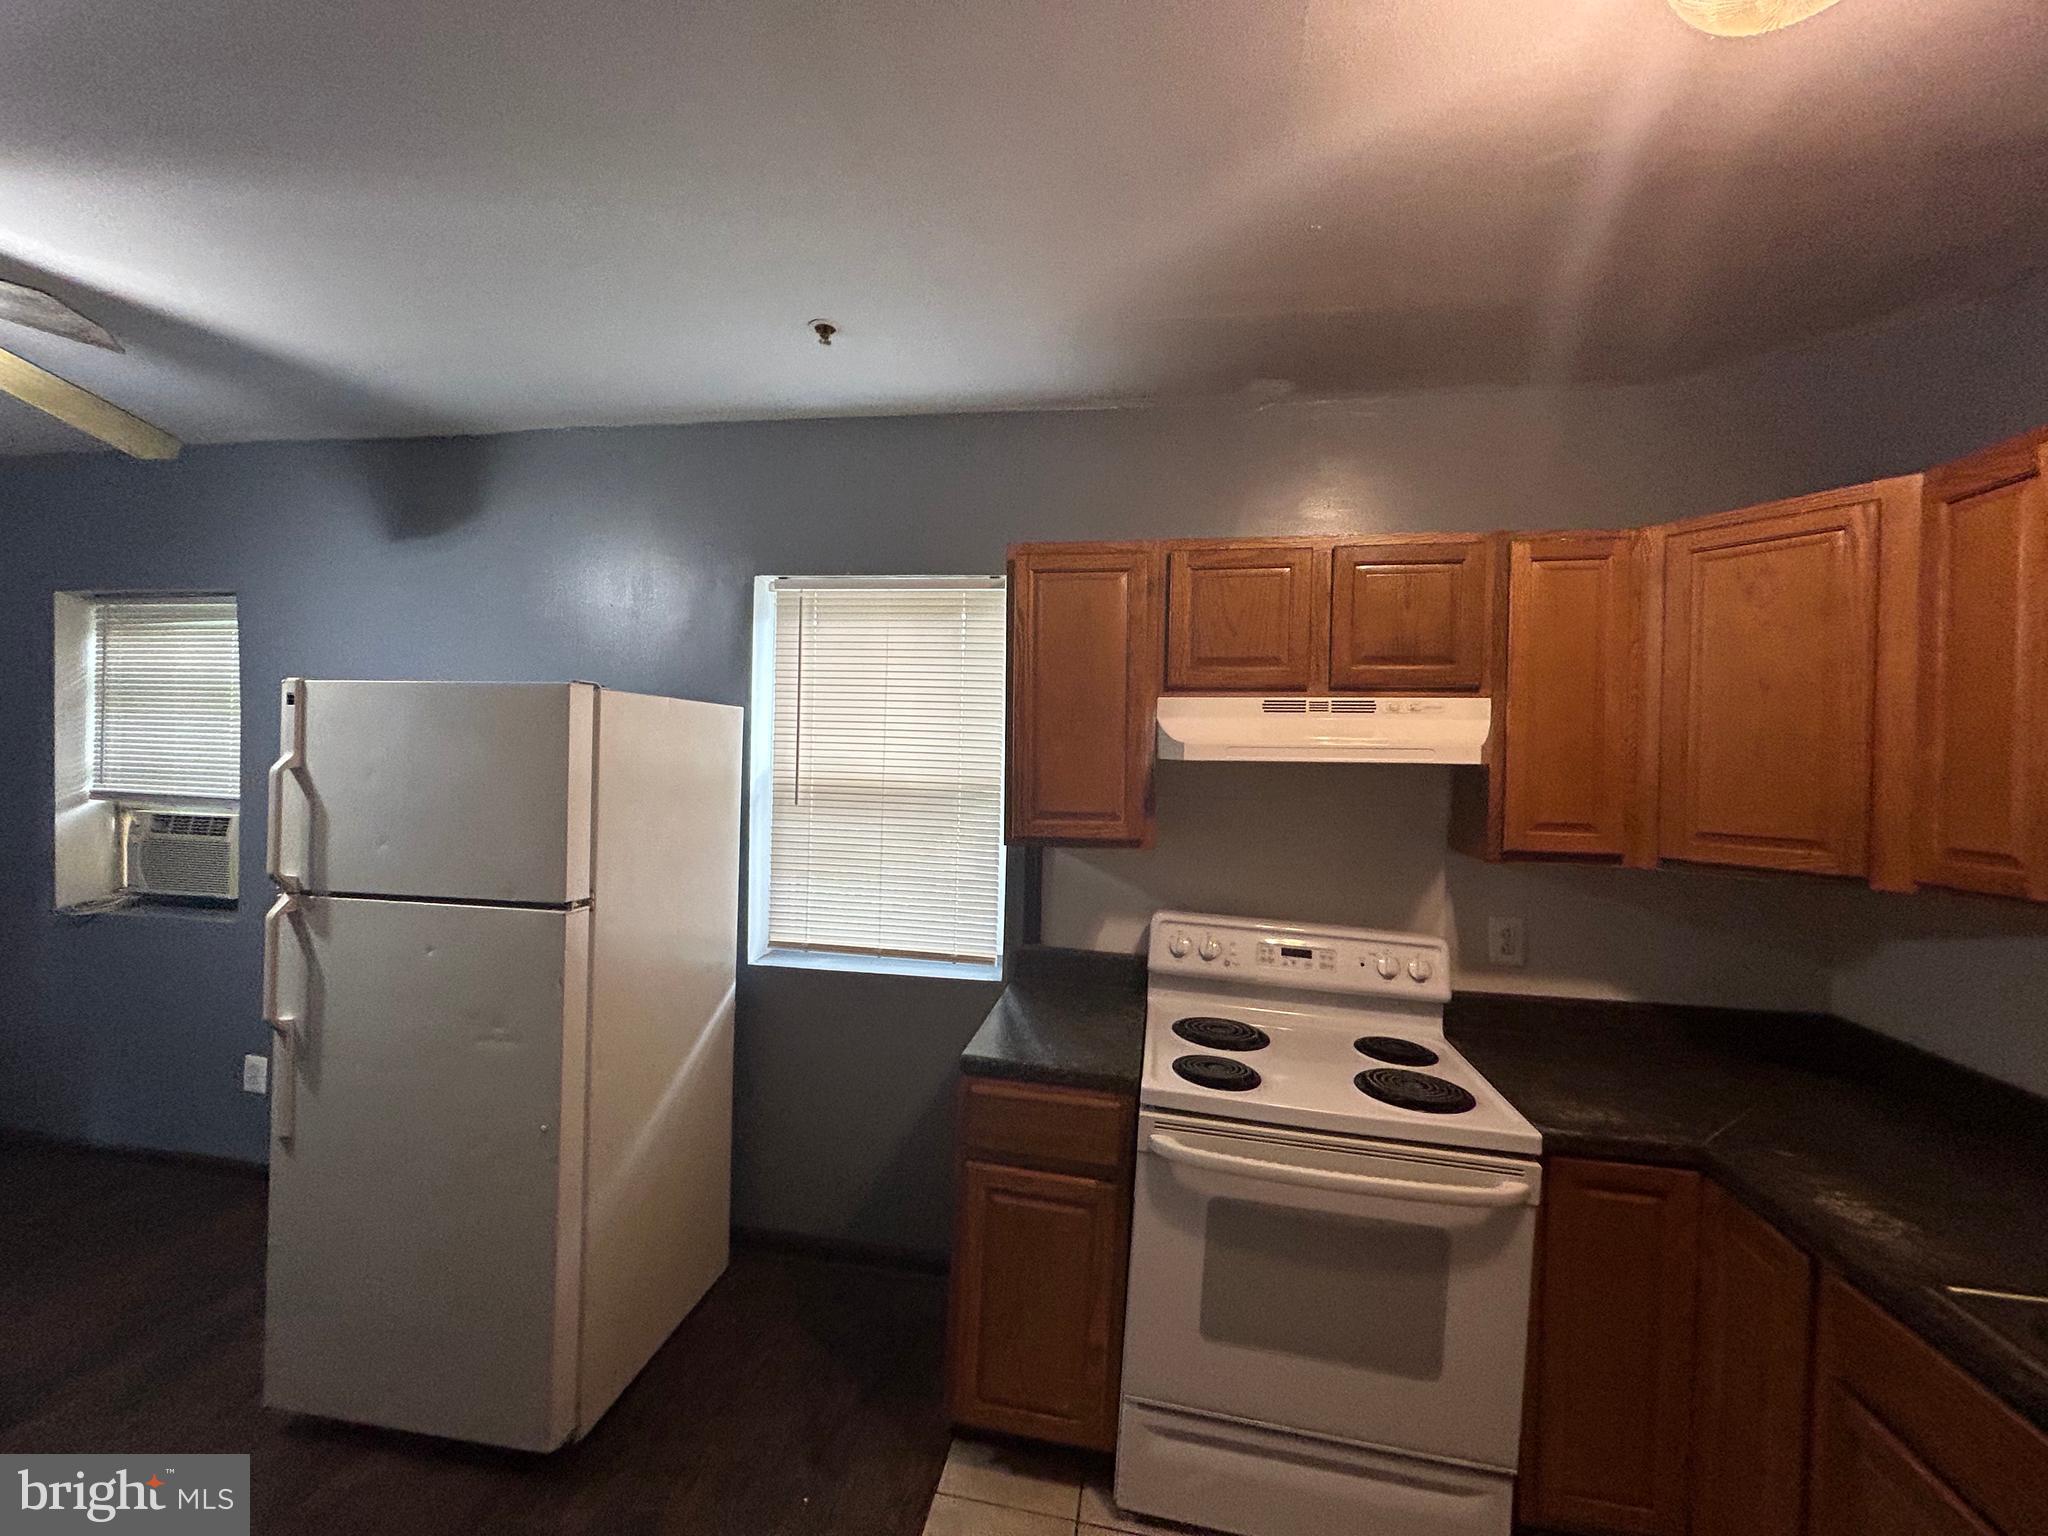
{"type": "Point", "coordinates": [178, 853]}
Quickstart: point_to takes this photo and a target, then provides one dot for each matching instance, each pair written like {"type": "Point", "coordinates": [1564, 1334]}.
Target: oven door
{"type": "Point", "coordinates": [1362, 1291]}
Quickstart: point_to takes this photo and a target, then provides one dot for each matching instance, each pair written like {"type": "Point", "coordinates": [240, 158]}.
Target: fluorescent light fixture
{"type": "Point", "coordinates": [1746, 18]}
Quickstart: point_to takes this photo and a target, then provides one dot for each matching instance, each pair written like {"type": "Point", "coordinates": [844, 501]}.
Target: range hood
{"type": "Point", "coordinates": [1231, 728]}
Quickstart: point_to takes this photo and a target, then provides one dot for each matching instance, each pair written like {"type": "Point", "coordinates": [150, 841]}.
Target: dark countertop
{"type": "Point", "coordinates": [1901, 1171]}
{"type": "Point", "coordinates": [1068, 1016]}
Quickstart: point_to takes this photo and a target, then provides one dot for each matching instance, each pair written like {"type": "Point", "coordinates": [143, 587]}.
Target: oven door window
{"type": "Point", "coordinates": [1341, 1289]}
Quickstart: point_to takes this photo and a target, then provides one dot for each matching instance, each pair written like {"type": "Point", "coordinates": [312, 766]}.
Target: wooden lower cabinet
{"type": "Point", "coordinates": [1692, 1374]}
{"type": "Point", "coordinates": [1612, 1375]}
{"type": "Point", "coordinates": [1750, 1397]}
{"type": "Point", "coordinates": [1904, 1444]}
{"type": "Point", "coordinates": [1040, 1252]}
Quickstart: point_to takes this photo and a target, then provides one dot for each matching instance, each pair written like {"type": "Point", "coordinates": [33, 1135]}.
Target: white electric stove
{"type": "Point", "coordinates": [1332, 1235]}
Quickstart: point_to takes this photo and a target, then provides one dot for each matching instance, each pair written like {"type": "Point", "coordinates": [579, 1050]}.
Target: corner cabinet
{"type": "Point", "coordinates": [1568, 723]}
{"type": "Point", "coordinates": [1694, 1373]}
{"type": "Point", "coordinates": [1784, 683]}
{"type": "Point", "coordinates": [1085, 646]}
{"type": "Point", "coordinates": [1040, 1251]}
{"type": "Point", "coordinates": [1983, 771]}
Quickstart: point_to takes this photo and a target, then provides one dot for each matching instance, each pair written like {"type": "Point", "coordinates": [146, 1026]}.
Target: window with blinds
{"type": "Point", "coordinates": [166, 699]}
{"type": "Point", "coordinates": [878, 789]}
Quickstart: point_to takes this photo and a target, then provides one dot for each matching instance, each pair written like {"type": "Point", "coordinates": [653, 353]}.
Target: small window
{"type": "Point", "coordinates": [876, 789]}
{"type": "Point", "coordinates": [148, 748]}
{"type": "Point", "coordinates": [167, 699]}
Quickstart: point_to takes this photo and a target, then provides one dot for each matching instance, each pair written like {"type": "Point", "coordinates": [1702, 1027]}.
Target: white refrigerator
{"type": "Point", "coordinates": [500, 979]}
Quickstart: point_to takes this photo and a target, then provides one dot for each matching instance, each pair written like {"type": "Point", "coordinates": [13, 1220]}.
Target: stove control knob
{"type": "Point", "coordinates": [1388, 967]}
{"type": "Point", "coordinates": [1211, 949]}
{"type": "Point", "coordinates": [1179, 945]}
{"type": "Point", "coordinates": [1421, 969]}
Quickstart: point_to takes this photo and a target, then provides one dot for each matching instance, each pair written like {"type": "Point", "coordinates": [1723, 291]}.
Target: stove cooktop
{"type": "Point", "coordinates": [1348, 1040]}
{"type": "Point", "coordinates": [1310, 1076]}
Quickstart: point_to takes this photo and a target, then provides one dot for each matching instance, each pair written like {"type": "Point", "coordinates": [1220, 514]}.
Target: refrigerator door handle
{"type": "Point", "coordinates": [284, 1026]}
{"type": "Point", "coordinates": [291, 759]}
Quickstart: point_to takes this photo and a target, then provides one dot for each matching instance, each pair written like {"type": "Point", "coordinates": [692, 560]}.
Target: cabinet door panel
{"type": "Point", "coordinates": [1568, 724]}
{"type": "Point", "coordinates": [1769, 662]}
{"type": "Point", "coordinates": [1751, 1379]}
{"type": "Point", "coordinates": [1037, 1300]}
{"type": "Point", "coordinates": [1084, 683]}
{"type": "Point", "coordinates": [1411, 614]}
{"type": "Point", "coordinates": [1877, 1487]}
{"type": "Point", "coordinates": [1983, 810]}
{"type": "Point", "coordinates": [1241, 616]}
{"type": "Point", "coordinates": [1614, 1353]}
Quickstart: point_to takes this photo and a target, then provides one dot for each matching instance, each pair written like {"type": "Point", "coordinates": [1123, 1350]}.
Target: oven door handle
{"type": "Point", "coordinates": [1502, 1192]}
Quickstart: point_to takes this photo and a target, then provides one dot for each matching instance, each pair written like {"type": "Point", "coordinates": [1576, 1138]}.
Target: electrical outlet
{"type": "Point", "coordinates": [255, 1074]}
{"type": "Point", "coordinates": [1506, 942]}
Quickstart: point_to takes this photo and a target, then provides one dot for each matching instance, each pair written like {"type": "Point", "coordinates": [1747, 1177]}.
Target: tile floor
{"type": "Point", "coordinates": [995, 1488]}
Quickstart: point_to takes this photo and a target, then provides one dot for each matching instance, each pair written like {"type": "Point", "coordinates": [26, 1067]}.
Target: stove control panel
{"type": "Point", "coordinates": [1351, 960]}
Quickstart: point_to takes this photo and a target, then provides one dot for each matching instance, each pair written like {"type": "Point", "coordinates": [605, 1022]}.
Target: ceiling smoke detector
{"type": "Point", "coordinates": [1746, 18]}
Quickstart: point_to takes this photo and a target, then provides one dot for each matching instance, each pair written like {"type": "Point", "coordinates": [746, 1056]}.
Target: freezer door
{"type": "Point", "coordinates": [426, 1185]}
{"type": "Point", "coordinates": [450, 791]}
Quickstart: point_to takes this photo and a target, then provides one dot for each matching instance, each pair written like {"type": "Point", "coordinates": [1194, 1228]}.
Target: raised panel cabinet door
{"type": "Point", "coordinates": [1983, 782]}
{"type": "Point", "coordinates": [1038, 1268]}
{"type": "Point", "coordinates": [1085, 645]}
{"type": "Point", "coordinates": [1241, 616]}
{"type": "Point", "coordinates": [1567, 728]}
{"type": "Point", "coordinates": [1614, 1350]}
{"type": "Point", "coordinates": [1752, 1376]}
{"type": "Point", "coordinates": [1411, 614]}
{"type": "Point", "coordinates": [1769, 687]}
{"type": "Point", "coordinates": [1905, 1444]}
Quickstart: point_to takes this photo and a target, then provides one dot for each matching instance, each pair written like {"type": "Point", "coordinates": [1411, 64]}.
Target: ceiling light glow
{"type": "Point", "coordinates": [1746, 18]}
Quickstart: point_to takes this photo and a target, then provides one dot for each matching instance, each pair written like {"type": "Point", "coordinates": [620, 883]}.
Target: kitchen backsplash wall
{"type": "Point", "coordinates": [1365, 846]}
{"type": "Point", "coordinates": [1965, 977]}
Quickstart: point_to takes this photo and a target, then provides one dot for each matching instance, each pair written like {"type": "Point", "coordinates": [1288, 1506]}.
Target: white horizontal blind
{"type": "Point", "coordinates": [886, 823]}
{"type": "Point", "coordinates": [167, 698]}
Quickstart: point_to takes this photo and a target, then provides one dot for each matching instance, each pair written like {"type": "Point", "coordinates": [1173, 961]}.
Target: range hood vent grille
{"type": "Point", "coordinates": [1319, 706]}
{"type": "Point", "coordinates": [1394, 729]}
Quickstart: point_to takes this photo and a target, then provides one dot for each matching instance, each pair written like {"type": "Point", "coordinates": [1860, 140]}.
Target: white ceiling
{"type": "Point", "coordinates": [415, 216]}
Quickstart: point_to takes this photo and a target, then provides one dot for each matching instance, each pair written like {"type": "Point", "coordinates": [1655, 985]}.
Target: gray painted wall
{"type": "Point", "coordinates": [625, 556]}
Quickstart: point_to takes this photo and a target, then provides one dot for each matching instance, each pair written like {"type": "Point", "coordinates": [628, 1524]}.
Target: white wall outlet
{"type": "Point", "coordinates": [255, 1074]}
{"type": "Point", "coordinates": [1506, 941]}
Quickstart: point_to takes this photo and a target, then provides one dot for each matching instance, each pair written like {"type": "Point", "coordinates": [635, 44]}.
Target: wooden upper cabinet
{"type": "Point", "coordinates": [1752, 1378]}
{"type": "Point", "coordinates": [1412, 615]}
{"type": "Point", "coordinates": [1983, 781]}
{"type": "Point", "coordinates": [1241, 616]}
{"type": "Point", "coordinates": [1568, 726]}
{"type": "Point", "coordinates": [1770, 681]}
{"type": "Point", "coordinates": [1904, 1444]}
{"type": "Point", "coordinates": [1612, 1394]}
{"type": "Point", "coordinates": [1085, 646]}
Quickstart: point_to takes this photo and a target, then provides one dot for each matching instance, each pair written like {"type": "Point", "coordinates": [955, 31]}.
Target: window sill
{"type": "Point", "coordinates": [199, 911]}
{"type": "Point", "coordinates": [878, 965]}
